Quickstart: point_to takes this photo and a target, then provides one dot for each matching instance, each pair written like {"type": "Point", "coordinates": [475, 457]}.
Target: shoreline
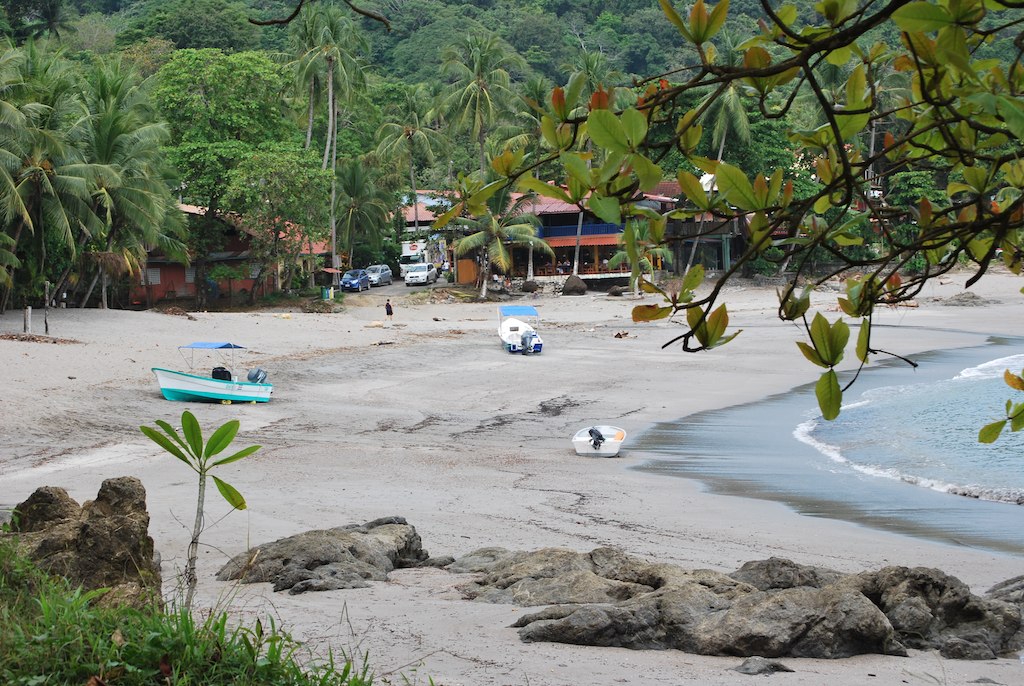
{"type": "Point", "coordinates": [430, 420]}
{"type": "Point", "coordinates": [675, 449]}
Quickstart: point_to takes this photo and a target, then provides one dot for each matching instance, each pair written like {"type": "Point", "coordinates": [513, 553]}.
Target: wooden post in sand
{"type": "Point", "coordinates": [46, 308]}
{"type": "Point", "coordinates": [27, 324]}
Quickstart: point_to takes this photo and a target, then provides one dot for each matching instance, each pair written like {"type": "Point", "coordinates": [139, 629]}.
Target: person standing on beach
{"type": "Point", "coordinates": [388, 310]}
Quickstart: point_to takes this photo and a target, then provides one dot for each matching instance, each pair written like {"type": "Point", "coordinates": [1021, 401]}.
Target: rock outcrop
{"type": "Point", "coordinates": [331, 559]}
{"type": "Point", "coordinates": [103, 543]}
{"type": "Point", "coordinates": [574, 286]}
{"type": "Point", "coordinates": [771, 608]}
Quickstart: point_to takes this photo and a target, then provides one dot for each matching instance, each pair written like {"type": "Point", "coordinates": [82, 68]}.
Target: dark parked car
{"type": "Point", "coordinates": [355, 280]}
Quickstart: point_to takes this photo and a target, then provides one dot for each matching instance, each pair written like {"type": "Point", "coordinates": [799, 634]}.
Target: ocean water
{"type": "Point", "coordinates": [903, 456]}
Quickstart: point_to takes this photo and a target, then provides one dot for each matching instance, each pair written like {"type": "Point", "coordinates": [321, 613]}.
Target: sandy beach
{"type": "Point", "coordinates": [427, 418]}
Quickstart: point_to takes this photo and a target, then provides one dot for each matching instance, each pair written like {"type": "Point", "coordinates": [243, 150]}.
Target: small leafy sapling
{"type": "Point", "coordinates": [192, 451]}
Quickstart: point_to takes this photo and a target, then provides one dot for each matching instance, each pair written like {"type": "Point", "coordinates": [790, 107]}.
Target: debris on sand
{"type": "Point", "coordinates": [965, 299]}
{"type": "Point", "coordinates": [33, 338]}
{"type": "Point", "coordinates": [621, 334]}
{"type": "Point", "coordinates": [176, 311]}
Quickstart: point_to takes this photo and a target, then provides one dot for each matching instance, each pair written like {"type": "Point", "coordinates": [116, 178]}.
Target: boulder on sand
{"type": "Point", "coordinates": [330, 559]}
{"type": "Point", "coordinates": [574, 286]}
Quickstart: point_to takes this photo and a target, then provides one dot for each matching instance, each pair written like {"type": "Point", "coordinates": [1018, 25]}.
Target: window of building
{"type": "Point", "coordinates": [152, 276]}
{"type": "Point", "coordinates": [190, 274]}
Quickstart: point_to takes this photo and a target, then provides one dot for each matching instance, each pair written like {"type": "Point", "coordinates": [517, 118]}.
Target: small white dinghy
{"type": "Point", "coordinates": [599, 441]}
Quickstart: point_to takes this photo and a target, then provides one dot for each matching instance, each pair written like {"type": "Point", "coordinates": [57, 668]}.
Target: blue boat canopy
{"type": "Point", "coordinates": [203, 345]}
{"type": "Point", "coordinates": [518, 311]}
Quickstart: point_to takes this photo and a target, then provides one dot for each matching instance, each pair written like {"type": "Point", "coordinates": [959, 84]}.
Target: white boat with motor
{"type": "Point", "coordinates": [220, 386]}
{"type": "Point", "coordinates": [517, 329]}
{"type": "Point", "coordinates": [599, 441]}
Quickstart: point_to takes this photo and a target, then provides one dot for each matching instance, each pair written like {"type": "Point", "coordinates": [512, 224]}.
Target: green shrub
{"type": "Point", "coordinates": [54, 635]}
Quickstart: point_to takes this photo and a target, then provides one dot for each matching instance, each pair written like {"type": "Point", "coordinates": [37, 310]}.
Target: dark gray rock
{"type": "Point", "coordinates": [928, 608]}
{"type": "Point", "coordinates": [531, 287]}
{"type": "Point", "coordinates": [777, 572]}
{"type": "Point", "coordinates": [617, 291]}
{"type": "Point", "coordinates": [47, 506]}
{"type": "Point", "coordinates": [769, 608]}
{"type": "Point", "coordinates": [760, 665]}
{"type": "Point", "coordinates": [105, 543]}
{"type": "Point", "coordinates": [329, 559]}
{"type": "Point", "coordinates": [574, 286]}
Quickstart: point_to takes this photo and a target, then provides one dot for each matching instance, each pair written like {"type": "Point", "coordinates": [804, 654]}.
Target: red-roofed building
{"type": "Point", "coordinates": [165, 279]}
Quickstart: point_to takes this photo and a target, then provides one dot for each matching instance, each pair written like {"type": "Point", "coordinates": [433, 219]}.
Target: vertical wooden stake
{"type": "Point", "coordinates": [46, 308]}
{"type": "Point", "coordinates": [27, 324]}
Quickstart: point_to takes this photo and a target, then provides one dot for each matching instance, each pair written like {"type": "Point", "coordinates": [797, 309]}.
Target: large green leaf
{"type": "Point", "coordinates": [830, 396]}
{"type": "Point", "coordinates": [244, 452]}
{"type": "Point", "coordinates": [736, 187]}
{"type": "Point", "coordinates": [673, 16]}
{"type": "Point", "coordinates": [605, 208]}
{"type": "Point", "coordinates": [193, 434]}
{"type": "Point", "coordinates": [606, 130]}
{"type": "Point", "coordinates": [634, 125]}
{"type": "Point", "coordinates": [528, 183]}
{"type": "Point", "coordinates": [693, 278]}
{"type": "Point", "coordinates": [646, 171]}
{"type": "Point", "coordinates": [577, 167]}
{"type": "Point", "coordinates": [1010, 112]}
{"type": "Point", "coordinates": [990, 432]}
{"type": "Point", "coordinates": [810, 353]}
{"type": "Point", "coordinates": [863, 338]}
{"type": "Point", "coordinates": [172, 433]}
{"type": "Point", "coordinates": [222, 438]}
{"type": "Point", "coordinates": [692, 189]}
{"type": "Point", "coordinates": [921, 17]}
{"type": "Point", "coordinates": [650, 313]}
{"type": "Point", "coordinates": [165, 443]}
{"type": "Point", "coordinates": [231, 495]}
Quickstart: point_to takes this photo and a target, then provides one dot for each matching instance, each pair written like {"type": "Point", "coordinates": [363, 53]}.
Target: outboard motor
{"type": "Point", "coordinates": [257, 375]}
{"type": "Point", "coordinates": [596, 438]}
{"type": "Point", "coordinates": [526, 342]}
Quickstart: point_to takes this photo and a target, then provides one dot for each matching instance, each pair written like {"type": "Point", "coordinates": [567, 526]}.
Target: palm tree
{"type": "Point", "coordinates": [648, 252]}
{"type": "Point", "coordinates": [135, 204]}
{"type": "Point", "coordinates": [334, 41]}
{"type": "Point", "coordinates": [362, 208]}
{"type": "Point", "coordinates": [47, 196]}
{"type": "Point", "coordinates": [505, 223]}
{"type": "Point", "coordinates": [410, 137]}
{"type": "Point", "coordinates": [480, 93]}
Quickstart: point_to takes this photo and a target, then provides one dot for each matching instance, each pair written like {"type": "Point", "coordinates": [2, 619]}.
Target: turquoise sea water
{"type": "Point", "coordinates": [903, 455]}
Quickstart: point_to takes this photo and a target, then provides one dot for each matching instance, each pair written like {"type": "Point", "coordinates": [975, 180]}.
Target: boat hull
{"type": "Point", "coordinates": [513, 333]}
{"type": "Point", "coordinates": [193, 388]}
{"type": "Point", "coordinates": [613, 438]}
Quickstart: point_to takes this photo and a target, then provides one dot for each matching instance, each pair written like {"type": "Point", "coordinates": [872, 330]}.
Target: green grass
{"type": "Point", "coordinates": [53, 635]}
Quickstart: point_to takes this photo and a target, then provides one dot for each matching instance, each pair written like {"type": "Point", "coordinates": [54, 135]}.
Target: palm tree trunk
{"type": "Point", "coordinates": [415, 197]}
{"type": "Point", "coordinates": [330, 112]}
{"type": "Point", "coordinates": [579, 235]}
{"type": "Point", "coordinates": [88, 292]}
{"type": "Point", "coordinates": [481, 139]}
{"type": "Point", "coordinates": [485, 272]}
{"type": "Point", "coordinates": [529, 265]}
{"type": "Point", "coordinates": [309, 117]}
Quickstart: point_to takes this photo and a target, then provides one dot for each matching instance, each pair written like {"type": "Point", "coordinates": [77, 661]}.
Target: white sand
{"type": "Point", "coordinates": [470, 445]}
